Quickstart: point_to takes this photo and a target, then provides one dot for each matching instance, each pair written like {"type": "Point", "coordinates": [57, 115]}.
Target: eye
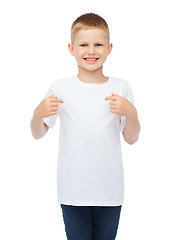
{"type": "Point", "coordinates": [82, 45]}
{"type": "Point", "coordinates": [99, 44]}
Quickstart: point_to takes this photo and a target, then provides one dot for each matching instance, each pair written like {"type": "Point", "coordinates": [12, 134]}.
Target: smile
{"type": "Point", "coordinates": [91, 60]}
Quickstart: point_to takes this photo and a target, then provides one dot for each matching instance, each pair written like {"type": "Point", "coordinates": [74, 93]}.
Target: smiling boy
{"type": "Point", "coordinates": [90, 169]}
{"type": "Point", "coordinates": [90, 48]}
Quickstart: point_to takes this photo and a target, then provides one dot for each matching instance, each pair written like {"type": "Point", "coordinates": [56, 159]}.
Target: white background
{"type": "Point", "coordinates": [34, 53]}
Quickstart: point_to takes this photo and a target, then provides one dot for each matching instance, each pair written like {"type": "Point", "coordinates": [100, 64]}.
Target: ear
{"type": "Point", "coordinates": [71, 49]}
{"type": "Point", "coordinates": [110, 46]}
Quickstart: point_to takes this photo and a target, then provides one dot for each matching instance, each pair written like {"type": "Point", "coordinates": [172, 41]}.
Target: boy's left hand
{"type": "Point", "coordinates": [120, 105]}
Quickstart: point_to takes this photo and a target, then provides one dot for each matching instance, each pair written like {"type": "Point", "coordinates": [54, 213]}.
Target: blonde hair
{"type": "Point", "coordinates": [86, 21]}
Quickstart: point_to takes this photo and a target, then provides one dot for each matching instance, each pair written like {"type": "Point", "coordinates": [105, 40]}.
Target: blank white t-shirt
{"type": "Point", "coordinates": [90, 168]}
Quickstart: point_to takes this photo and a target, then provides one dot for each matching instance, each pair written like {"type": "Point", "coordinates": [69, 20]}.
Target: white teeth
{"type": "Point", "coordinates": [89, 59]}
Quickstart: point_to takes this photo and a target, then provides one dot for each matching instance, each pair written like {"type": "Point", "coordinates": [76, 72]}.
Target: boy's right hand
{"type": "Point", "coordinates": [48, 106]}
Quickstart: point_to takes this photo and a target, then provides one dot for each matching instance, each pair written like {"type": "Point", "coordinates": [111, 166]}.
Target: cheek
{"type": "Point", "coordinates": [77, 55]}
{"type": "Point", "coordinates": [103, 53]}
{"type": "Point", "coordinates": [80, 53]}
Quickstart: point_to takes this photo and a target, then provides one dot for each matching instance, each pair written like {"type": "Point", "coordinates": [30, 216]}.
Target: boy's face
{"type": "Point", "coordinates": [90, 48]}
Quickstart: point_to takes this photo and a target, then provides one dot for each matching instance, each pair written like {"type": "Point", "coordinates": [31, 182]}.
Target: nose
{"type": "Point", "coordinates": [91, 50]}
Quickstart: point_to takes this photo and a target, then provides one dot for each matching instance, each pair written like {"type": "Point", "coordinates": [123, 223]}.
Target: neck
{"type": "Point", "coordinates": [91, 76]}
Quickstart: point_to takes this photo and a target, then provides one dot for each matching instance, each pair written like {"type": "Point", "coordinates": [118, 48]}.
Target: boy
{"type": "Point", "coordinates": [90, 170]}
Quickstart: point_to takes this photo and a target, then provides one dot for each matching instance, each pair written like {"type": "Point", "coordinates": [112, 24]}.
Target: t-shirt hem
{"type": "Point", "coordinates": [91, 203]}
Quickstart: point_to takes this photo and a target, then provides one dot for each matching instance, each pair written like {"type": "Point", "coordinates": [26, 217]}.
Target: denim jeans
{"type": "Point", "coordinates": [91, 222]}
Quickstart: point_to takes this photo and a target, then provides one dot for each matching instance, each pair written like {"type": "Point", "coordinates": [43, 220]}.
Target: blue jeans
{"type": "Point", "coordinates": [91, 222]}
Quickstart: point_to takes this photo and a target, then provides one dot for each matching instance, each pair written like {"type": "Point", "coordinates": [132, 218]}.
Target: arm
{"type": "Point", "coordinates": [38, 127]}
{"type": "Point", "coordinates": [132, 128]}
{"type": "Point", "coordinates": [47, 108]}
{"type": "Point", "coordinates": [123, 107]}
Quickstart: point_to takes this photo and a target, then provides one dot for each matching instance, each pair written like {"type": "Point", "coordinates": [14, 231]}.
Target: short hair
{"type": "Point", "coordinates": [87, 21]}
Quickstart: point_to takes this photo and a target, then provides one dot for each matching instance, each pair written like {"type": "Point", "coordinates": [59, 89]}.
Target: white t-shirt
{"type": "Point", "coordinates": [90, 168]}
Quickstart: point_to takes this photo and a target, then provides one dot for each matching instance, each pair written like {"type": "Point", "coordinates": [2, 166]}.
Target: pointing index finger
{"type": "Point", "coordinates": [110, 98]}
{"type": "Point", "coordinates": [60, 100]}
{"type": "Point", "coordinates": [56, 99]}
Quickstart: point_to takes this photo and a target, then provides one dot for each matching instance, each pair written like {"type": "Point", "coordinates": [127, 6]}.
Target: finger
{"type": "Point", "coordinates": [54, 109]}
{"type": "Point", "coordinates": [56, 100]}
{"type": "Point", "coordinates": [54, 103]}
{"type": "Point", "coordinates": [60, 100]}
{"type": "Point", "coordinates": [113, 111]}
{"type": "Point", "coordinates": [112, 103]}
{"type": "Point", "coordinates": [53, 98]}
{"type": "Point", "coordinates": [112, 94]}
{"type": "Point", "coordinates": [110, 98]}
{"type": "Point", "coordinates": [112, 107]}
{"type": "Point", "coordinates": [54, 113]}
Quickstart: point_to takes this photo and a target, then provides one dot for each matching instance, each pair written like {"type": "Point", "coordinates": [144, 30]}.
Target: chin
{"type": "Point", "coordinates": [90, 68]}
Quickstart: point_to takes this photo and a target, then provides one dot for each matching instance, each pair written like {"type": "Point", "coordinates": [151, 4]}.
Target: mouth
{"type": "Point", "coordinates": [91, 60]}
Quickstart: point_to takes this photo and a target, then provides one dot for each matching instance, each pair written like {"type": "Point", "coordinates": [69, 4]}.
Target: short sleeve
{"type": "Point", "coordinates": [129, 96]}
{"type": "Point", "coordinates": [51, 120]}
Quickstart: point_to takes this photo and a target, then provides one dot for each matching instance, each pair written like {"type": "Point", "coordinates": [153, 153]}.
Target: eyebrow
{"type": "Point", "coordinates": [84, 42]}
